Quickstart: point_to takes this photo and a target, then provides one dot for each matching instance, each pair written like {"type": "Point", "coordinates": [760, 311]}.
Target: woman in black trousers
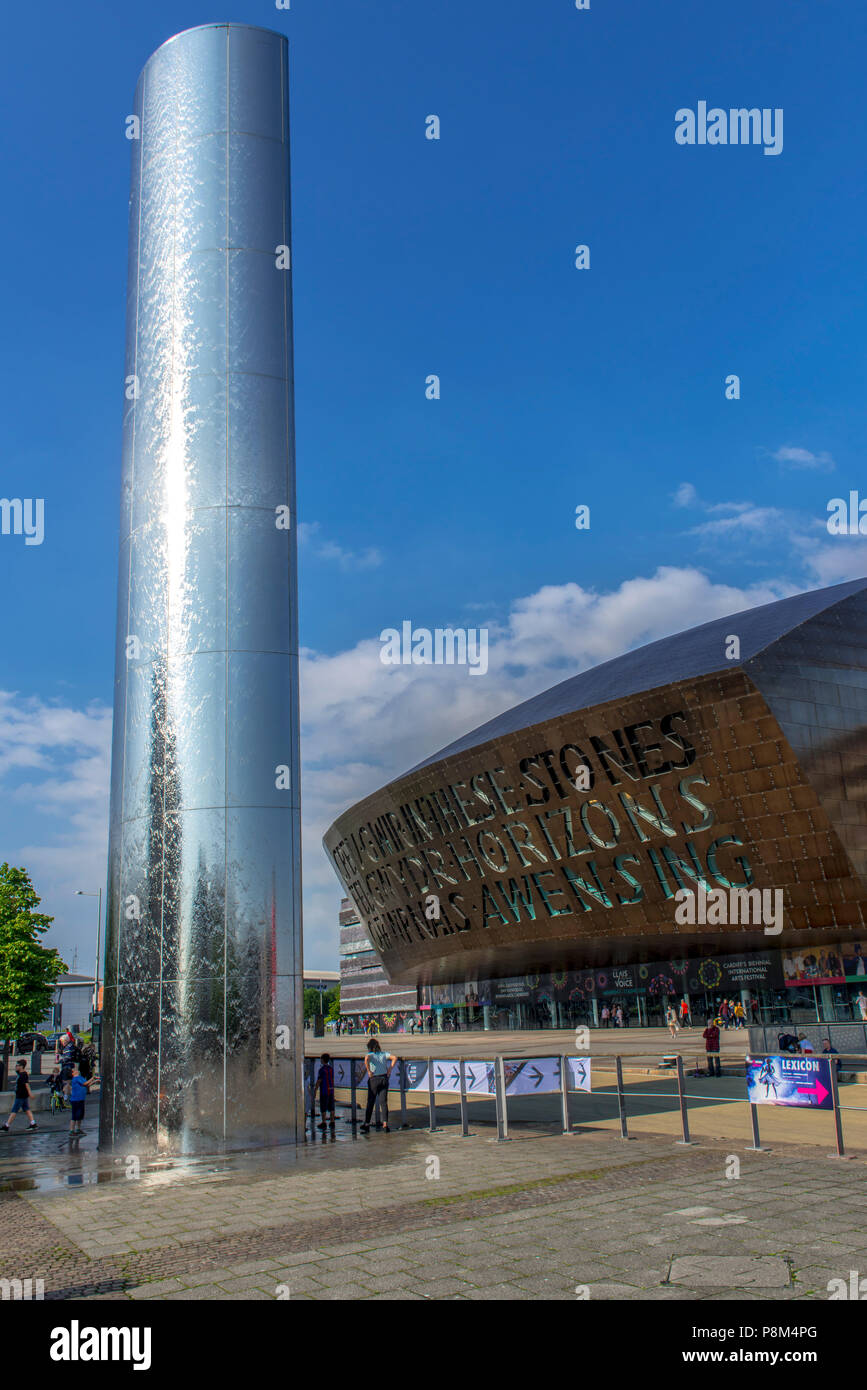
{"type": "Point", "coordinates": [377, 1065]}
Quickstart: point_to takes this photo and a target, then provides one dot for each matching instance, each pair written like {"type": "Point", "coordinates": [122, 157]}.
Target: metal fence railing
{"type": "Point", "coordinates": [846, 1037]}
{"type": "Point", "coordinates": [501, 1078]}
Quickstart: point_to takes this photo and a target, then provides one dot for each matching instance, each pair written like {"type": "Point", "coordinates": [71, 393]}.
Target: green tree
{"type": "Point", "coordinates": [28, 970]}
{"type": "Point", "coordinates": [328, 1003]}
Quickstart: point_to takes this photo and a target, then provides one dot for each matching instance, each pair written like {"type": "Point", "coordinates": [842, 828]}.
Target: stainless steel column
{"type": "Point", "coordinates": [202, 1041]}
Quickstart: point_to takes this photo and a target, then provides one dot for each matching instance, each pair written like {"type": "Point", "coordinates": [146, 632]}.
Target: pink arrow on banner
{"type": "Point", "coordinates": [817, 1090]}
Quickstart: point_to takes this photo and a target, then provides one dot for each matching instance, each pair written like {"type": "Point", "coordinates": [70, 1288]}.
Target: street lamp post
{"type": "Point", "coordinates": [81, 894]}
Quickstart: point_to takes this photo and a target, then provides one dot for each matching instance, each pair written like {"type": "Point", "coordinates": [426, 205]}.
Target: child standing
{"type": "Point", "coordinates": [325, 1085]}
{"type": "Point", "coordinates": [78, 1089]}
{"type": "Point", "coordinates": [23, 1096]}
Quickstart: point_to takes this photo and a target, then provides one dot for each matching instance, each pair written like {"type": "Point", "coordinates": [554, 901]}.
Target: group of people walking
{"type": "Point", "coordinates": [73, 1075]}
{"type": "Point", "coordinates": [730, 1014]}
{"type": "Point", "coordinates": [612, 1016]}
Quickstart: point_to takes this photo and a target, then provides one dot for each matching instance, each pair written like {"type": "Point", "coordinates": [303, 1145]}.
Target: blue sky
{"type": "Point", "coordinates": [453, 257]}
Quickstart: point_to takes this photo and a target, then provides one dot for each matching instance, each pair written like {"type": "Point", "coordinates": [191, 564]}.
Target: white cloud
{"type": "Point", "coordinates": [794, 457]}
{"type": "Point", "coordinates": [844, 557]}
{"type": "Point", "coordinates": [54, 776]}
{"type": "Point", "coordinates": [744, 520]}
{"type": "Point", "coordinates": [324, 549]}
{"type": "Point", "coordinates": [686, 496]}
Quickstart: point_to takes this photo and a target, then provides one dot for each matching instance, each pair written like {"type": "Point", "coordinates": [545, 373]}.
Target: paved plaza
{"type": "Point", "coordinates": [419, 1215]}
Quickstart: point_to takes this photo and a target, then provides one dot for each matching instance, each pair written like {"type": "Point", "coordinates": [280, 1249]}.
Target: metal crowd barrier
{"type": "Point", "coordinates": [499, 1094]}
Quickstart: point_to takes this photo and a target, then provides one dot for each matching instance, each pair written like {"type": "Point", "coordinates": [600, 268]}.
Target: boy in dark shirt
{"type": "Point", "coordinates": [325, 1085]}
{"type": "Point", "coordinates": [23, 1094]}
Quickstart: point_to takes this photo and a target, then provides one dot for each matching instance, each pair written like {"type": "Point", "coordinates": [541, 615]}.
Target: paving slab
{"type": "Point", "coordinates": [730, 1271]}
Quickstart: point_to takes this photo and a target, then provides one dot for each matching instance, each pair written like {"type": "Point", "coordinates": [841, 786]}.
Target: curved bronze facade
{"type": "Point", "coordinates": [562, 841]}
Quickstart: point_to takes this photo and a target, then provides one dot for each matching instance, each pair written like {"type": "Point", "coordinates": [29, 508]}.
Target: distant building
{"type": "Point", "coordinates": [70, 1005]}
{"type": "Point", "coordinates": [321, 979]}
{"type": "Point", "coordinates": [366, 993]}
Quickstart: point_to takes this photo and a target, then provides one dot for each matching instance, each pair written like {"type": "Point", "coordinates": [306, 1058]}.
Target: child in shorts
{"type": "Point", "coordinates": [23, 1095]}
{"type": "Point", "coordinates": [78, 1090]}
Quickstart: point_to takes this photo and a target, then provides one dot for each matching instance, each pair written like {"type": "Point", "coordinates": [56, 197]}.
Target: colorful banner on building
{"type": "Point", "coordinates": [819, 965]}
{"type": "Point", "coordinates": [790, 1080]}
{"type": "Point", "coordinates": [855, 961]}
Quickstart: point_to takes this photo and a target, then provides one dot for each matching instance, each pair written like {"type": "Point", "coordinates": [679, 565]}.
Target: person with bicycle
{"type": "Point", "coordinates": [55, 1089]}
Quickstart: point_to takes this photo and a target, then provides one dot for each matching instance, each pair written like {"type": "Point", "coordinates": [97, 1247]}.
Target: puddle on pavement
{"type": "Point", "coordinates": [57, 1166]}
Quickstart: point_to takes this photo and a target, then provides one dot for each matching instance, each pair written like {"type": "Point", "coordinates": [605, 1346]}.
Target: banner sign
{"type": "Point", "coordinates": [579, 1073]}
{"type": "Point", "coordinates": [478, 1077]}
{"type": "Point", "coordinates": [534, 1077]}
{"type": "Point", "coordinates": [790, 1080]}
{"type": "Point", "coordinates": [343, 1071]}
{"type": "Point", "coordinates": [854, 962]}
{"type": "Point", "coordinates": [824, 965]}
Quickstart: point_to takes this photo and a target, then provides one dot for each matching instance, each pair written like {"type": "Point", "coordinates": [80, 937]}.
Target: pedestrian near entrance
{"type": "Point", "coordinates": [685, 1020]}
{"type": "Point", "coordinates": [671, 1020]}
{"type": "Point", "coordinates": [606, 1015]}
{"type": "Point", "coordinates": [861, 1002]}
{"type": "Point", "coordinates": [377, 1064]}
{"type": "Point", "coordinates": [618, 1016]}
{"type": "Point", "coordinates": [711, 1044]}
{"type": "Point", "coordinates": [23, 1095]}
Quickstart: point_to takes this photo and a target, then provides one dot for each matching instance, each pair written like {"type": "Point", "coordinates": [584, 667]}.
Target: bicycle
{"type": "Point", "coordinates": [57, 1102]}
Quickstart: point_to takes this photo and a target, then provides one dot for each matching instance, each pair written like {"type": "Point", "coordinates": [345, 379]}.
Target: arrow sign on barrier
{"type": "Point", "coordinates": [536, 1076]}
{"type": "Point", "coordinates": [817, 1090]}
{"type": "Point", "coordinates": [786, 1079]}
{"type": "Point", "coordinates": [479, 1078]}
{"type": "Point", "coordinates": [580, 1073]}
